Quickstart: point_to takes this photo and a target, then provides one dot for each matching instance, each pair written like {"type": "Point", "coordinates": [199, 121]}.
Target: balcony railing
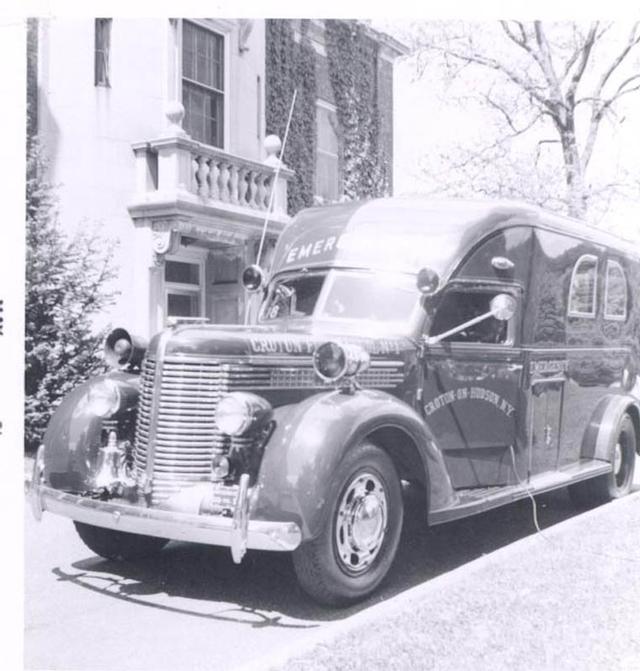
{"type": "Point", "coordinates": [176, 167]}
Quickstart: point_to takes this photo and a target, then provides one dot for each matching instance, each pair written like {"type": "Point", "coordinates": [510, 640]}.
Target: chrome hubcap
{"type": "Point", "coordinates": [361, 522]}
{"type": "Point", "coordinates": [617, 459]}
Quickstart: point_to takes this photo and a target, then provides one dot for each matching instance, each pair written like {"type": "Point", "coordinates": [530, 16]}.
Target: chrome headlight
{"type": "Point", "coordinates": [103, 399]}
{"type": "Point", "coordinates": [333, 361]}
{"type": "Point", "coordinates": [239, 411]}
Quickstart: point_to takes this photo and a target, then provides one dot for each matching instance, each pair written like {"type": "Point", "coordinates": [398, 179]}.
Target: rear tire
{"type": "Point", "coordinates": [112, 544]}
{"type": "Point", "coordinates": [361, 532]}
{"type": "Point", "coordinates": [617, 483]}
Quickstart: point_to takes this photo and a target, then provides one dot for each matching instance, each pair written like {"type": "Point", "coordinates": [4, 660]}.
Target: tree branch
{"type": "Point", "coordinates": [500, 108]}
{"type": "Point", "coordinates": [632, 41]}
{"type": "Point", "coordinates": [584, 52]}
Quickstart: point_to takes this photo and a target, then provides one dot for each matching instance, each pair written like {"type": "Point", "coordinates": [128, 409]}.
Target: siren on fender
{"type": "Point", "coordinates": [123, 350]}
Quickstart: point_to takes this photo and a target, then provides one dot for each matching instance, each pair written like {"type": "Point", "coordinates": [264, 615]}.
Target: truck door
{"type": "Point", "coordinates": [472, 392]}
{"type": "Point", "coordinates": [547, 379]}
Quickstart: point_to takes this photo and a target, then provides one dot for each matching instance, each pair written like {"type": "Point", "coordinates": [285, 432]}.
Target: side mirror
{"type": "Point", "coordinates": [503, 307]}
{"type": "Point", "coordinates": [253, 278]}
{"type": "Point", "coordinates": [427, 281]}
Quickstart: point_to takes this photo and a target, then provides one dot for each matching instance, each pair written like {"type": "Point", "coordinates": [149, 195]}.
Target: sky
{"type": "Point", "coordinates": [427, 118]}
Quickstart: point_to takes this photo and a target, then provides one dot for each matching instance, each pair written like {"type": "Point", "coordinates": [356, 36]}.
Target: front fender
{"type": "Point", "coordinates": [72, 438]}
{"type": "Point", "coordinates": [298, 474]}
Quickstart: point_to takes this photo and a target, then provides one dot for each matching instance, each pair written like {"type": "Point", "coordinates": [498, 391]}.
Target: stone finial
{"type": "Point", "coordinates": [174, 111]}
{"type": "Point", "coordinates": [272, 145]}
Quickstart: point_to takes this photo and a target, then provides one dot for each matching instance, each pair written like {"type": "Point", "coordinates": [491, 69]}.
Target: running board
{"type": "Point", "coordinates": [479, 499]}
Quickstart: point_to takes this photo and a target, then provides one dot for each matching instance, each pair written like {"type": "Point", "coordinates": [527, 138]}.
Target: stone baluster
{"type": "Point", "coordinates": [233, 183]}
{"type": "Point", "coordinates": [224, 181]}
{"type": "Point", "coordinates": [243, 185]}
{"type": "Point", "coordinates": [214, 177]}
{"type": "Point", "coordinates": [201, 176]}
{"type": "Point", "coordinates": [251, 188]}
{"type": "Point", "coordinates": [262, 192]}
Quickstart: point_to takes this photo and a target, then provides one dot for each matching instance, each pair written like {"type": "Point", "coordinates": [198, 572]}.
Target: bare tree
{"type": "Point", "coordinates": [553, 83]}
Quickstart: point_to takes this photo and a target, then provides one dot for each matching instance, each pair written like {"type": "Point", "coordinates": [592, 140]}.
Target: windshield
{"type": "Point", "coordinates": [390, 298]}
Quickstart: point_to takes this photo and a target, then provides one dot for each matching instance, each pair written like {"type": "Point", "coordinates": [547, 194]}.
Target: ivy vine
{"type": "Point", "coordinates": [291, 66]}
{"type": "Point", "coordinates": [353, 71]}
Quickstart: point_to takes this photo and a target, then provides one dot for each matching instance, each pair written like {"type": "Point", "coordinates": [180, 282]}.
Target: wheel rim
{"type": "Point", "coordinates": [621, 468]}
{"type": "Point", "coordinates": [617, 459]}
{"type": "Point", "coordinates": [361, 522]}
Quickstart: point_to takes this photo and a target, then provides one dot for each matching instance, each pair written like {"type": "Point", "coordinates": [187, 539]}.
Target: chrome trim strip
{"type": "Point", "coordinates": [288, 361]}
{"type": "Point", "coordinates": [155, 408]}
{"type": "Point", "coordinates": [207, 529]}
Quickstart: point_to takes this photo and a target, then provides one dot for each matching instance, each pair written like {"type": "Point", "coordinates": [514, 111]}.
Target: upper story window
{"type": "Point", "coordinates": [615, 292]}
{"type": "Point", "coordinates": [102, 52]}
{"type": "Point", "coordinates": [582, 293]}
{"type": "Point", "coordinates": [203, 84]}
{"type": "Point", "coordinates": [327, 184]}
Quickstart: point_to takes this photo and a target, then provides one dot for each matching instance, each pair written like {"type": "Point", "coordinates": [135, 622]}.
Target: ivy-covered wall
{"type": "Point", "coordinates": [353, 71]}
{"type": "Point", "coordinates": [354, 78]}
{"type": "Point", "coordinates": [290, 65]}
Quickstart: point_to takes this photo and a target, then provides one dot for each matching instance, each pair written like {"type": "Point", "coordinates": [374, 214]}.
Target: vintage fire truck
{"type": "Point", "coordinates": [483, 351]}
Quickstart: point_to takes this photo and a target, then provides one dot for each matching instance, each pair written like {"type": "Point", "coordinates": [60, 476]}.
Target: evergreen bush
{"type": "Point", "coordinates": [66, 280]}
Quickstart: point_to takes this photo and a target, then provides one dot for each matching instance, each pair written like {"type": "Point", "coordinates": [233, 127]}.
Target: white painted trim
{"type": "Point", "coordinates": [576, 313]}
{"type": "Point", "coordinates": [617, 318]}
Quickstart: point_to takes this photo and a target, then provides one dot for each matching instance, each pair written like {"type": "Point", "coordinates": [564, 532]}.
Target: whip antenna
{"type": "Point", "coordinates": [275, 178]}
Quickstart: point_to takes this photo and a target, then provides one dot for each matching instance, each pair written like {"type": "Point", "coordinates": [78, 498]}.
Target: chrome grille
{"type": "Point", "coordinates": [186, 436]}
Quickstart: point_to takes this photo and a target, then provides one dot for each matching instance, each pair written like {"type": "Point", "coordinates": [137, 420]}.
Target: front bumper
{"type": "Point", "coordinates": [238, 532]}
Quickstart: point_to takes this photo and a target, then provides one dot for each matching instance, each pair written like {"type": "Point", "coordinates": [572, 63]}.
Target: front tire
{"type": "Point", "coordinates": [617, 483]}
{"type": "Point", "coordinates": [112, 544]}
{"type": "Point", "coordinates": [361, 532]}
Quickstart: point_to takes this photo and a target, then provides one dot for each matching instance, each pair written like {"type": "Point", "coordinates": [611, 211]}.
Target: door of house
{"type": "Point", "coordinates": [225, 292]}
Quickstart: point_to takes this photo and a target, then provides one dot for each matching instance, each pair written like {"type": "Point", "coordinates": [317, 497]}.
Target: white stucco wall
{"type": "Point", "coordinates": [88, 130]}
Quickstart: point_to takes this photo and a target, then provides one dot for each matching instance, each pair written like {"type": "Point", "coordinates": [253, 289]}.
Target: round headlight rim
{"type": "Point", "coordinates": [93, 398]}
{"type": "Point", "coordinates": [243, 408]}
{"type": "Point", "coordinates": [258, 412]}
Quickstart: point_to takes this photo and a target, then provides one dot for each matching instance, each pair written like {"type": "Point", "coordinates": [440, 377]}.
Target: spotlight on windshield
{"type": "Point", "coordinates": [427, 281]}
{"type": "Point", "coordinates": [253, 278]}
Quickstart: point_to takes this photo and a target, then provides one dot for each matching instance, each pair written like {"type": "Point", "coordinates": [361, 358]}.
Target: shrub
{"type": "Point", "coordinates": [65, 289]}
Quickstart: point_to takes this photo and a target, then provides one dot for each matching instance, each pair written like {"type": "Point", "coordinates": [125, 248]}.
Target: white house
{"type": "Point", "coordinates": [155, 130]}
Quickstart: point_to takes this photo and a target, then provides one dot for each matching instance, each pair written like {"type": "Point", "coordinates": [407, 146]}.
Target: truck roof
{"type": "Point", "coordinates": [407, 234]}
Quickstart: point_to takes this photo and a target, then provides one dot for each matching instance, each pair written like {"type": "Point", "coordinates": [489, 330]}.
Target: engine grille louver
{"type": "Point", "coordinates": [186, 435]}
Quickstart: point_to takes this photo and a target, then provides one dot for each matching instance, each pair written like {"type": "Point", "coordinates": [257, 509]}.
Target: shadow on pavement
{"type": "Point", "coordinates": [263, 592]}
